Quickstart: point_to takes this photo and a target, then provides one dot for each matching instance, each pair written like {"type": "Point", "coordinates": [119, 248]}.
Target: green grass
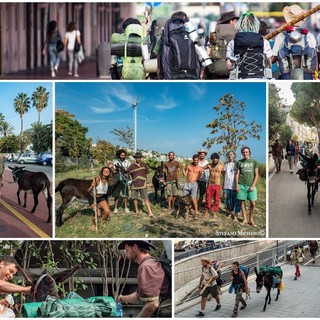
{"type": "Point", "coordinates": [78, 217]}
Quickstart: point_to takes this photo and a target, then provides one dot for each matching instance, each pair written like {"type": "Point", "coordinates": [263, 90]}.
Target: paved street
{"type": "Point", "coordinates": [300, 299]}
{"type": "Point", "coordinates": [288, 211]}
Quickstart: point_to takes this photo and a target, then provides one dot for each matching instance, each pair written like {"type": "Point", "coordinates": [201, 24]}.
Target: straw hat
{"type": "Point", "coordinates": [291, 12]}
{"type": "Point", "coordinates": [202, 151]}
{"type": "Point", "coordinates": [206, 259]}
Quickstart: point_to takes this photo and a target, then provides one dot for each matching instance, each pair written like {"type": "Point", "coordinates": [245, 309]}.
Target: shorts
{"type": "Point", "coordinates": [190, 188]}
{"type": "Point", "coordinates": [171, 189]}
{"type": "Point", "coordinates": [202, 187]}
{"type": "Point", "coordinates": [213, 290]}
{"type": "Point", "coordinates": [99, 199]}
{"type": "Point", "coordinates": [121, 189]}
{"type": "Point", "coordinates": [143, 193]}
{"type": "Point", "coordinates": [245, 194]}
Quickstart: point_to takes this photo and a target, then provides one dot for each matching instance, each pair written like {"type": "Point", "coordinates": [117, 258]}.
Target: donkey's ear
{"type": "Point", "coordinates": [65, 274]}
{"type": "Point", "coordinates": [255, 270]}
{"type": "Point", "coordinates": [11, 168]}
{"type": "Point", "coordinates": [28, 276]}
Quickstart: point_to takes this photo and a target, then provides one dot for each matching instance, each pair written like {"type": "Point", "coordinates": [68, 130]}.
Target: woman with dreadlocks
{"type": "Point", "coordinates": [248, 54]}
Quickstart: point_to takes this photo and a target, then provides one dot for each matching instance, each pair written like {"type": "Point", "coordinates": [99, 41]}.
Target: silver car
{"type": "Point", "coordinates": [28, 158]}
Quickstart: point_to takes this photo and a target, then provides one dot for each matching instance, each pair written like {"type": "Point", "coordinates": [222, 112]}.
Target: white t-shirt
{"type": "Point", "coordinates": [207, 274]}
{"type": "Point", "coordinates": [318, 43]}
{"type": "Point", "coordinates": [206, 172]}
{"type": "Point", "coordinates": [230, 170]}
{"type": "Point", "coordinates": [71, 37]}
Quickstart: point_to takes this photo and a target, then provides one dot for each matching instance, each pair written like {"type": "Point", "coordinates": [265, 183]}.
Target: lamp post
{"type": "Point", "coordinates": [134, 106]}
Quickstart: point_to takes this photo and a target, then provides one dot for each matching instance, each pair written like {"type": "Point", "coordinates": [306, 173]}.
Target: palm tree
{"type": "Point", "coordinates": [40, 99]}
{"type": "Point", "coordinates": [21, 105]}
{"type": "Point", "coordinates": [6, 128]}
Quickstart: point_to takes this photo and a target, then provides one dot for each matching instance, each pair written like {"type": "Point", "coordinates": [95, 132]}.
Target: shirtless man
{"type": "Point", "coordinates": [192, 172]}
{"type": "Point", "coordinates": [213, 189]}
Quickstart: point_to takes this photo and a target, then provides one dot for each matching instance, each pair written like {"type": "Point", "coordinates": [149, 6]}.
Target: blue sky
{"type": "Point", "coordinates": [10, 90]}
{"type": "Point", "coordinates": [171, 115]}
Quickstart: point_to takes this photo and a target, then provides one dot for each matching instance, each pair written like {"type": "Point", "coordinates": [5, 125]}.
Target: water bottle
{"type": "Point", "coordinates": [119, 313]}
{"type": "Point", "coordinates": [119, 62]}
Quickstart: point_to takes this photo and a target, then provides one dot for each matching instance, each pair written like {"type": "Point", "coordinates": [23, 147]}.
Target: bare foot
{"type": "Point", "coordinates": [235, 219]}
{"type": "Point", "coordinates": [228, 216]}
{"type": "Point", "coordinates": [244, 222]}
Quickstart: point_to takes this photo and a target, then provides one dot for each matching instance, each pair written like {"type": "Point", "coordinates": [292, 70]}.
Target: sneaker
{"type": "Point", "coordinates": [53, 74]}
{"type": "Point", "coordinates": [115, 210]}
{"type": "Point", "coordinates": [76, 75]}
{"type": "Point", "coordinates": [217, 307]}
{"type": "Point", "coordinates": [56, 67]}
{"type": "Point", "coordinates": [126, 210]}
{"type": "Point", "coordinates": [69, 73]}
{"type": "Point", "coordinates": [200, 314]}
{"type": "Point", "coordinates": [295, 278]}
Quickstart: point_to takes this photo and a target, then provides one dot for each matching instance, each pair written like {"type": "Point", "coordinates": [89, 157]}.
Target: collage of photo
{"type": "Point", "coordinates": [159, 159]}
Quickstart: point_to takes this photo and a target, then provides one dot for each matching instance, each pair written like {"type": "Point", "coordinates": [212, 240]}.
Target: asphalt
{"type": "Point", "coordinates": [300, 299]}
{"type": "Point", "coordinates": [87, 71]}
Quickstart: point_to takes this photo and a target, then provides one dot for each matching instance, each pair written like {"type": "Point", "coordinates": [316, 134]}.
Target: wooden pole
{"type": "Point", "coordinates": [94, 193]}
{"type": "Point", "coordinates": [292, 22]}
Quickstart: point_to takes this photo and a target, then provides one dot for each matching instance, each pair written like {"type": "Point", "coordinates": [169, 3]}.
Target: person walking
{"type": "Point", "coordinates": [229, 172]}
{"type": "Point", "coordinates": [277, 154]}
{"type": "Point", "coordinates": [296, 152]}
{"type": "Point", "coordinates": [296, 258]}
{"type": "Point", "coordinates": [121, 164]}
{"type": "Point", "coordinates": [214, 185]}
{"type": "Point", "coordinates": [72, 35]}
{"type": "Point", "coordinates": [139, 171]}
{"type": "Point", "coordinates": [240, 285]}
{"type": "Point", "coordinates": [202, 182]}
{"type": "Point", "coordinates": [290, 149]}
{"type": "Point", "coordinates": [313, 248]}
{"type": "Point", "coordinates": [172, 170]}
{"type": "Point", "coordinates": [52, 38]}
{"type": "Point", "coordinates": [192, 173]}
{"type": "Point", "coordinates": [208, 285]}
{"type": "Point", "coordinates": [153, 285]}
{"type": "Point", "coordinates": [246, 179]}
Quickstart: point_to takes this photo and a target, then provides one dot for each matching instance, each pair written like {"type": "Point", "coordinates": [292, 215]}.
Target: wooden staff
{"type": "Point", "coordinates": [94, 193]}
{"type": "Point", "coordinates": [292, 22]}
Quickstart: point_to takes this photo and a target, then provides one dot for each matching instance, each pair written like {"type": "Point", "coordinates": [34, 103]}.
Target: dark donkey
{"type": "Point", "coordinates": [45, 284]}
{"type": "Point", "coordinates": [158, 181]}
{"type": "Point", "coordinates": [77, 189]}
{"type": "Point", "coordinates": [32, 182]}
{"type": "Point", "coordinates": [270, 278]}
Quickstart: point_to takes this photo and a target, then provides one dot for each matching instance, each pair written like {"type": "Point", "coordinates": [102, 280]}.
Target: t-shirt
{"type": "Point", "coordinates": [277, 150]}
{"type": "Point", "coordinates": [172, 170]}
{"type": "Point", "coordinates": [207, 274]}
{"type": "Point", "coordinates": [206, 172]}
{"type": "Point", "coordinates": [247, 168]}
{"type": "Point", "coordinates": [152, 281]}
{"type": "Point", "coordinates": [71, 37]}
{"type": "Point", "coordinates": [139, 175]}
{"type": "Point", "coordinates": [230, 169]}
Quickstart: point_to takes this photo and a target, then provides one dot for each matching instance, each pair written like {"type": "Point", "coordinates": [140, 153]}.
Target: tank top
{"type": "Point", "coordinates": [102, 188]}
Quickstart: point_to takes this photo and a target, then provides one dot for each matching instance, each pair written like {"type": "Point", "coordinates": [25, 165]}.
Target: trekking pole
{"type": "Point", "coordinates": [148, 16]}
{"type": "Point", "coordinates": [206, 285]}
{"type": "Point", "coordinates": [292, 22]}
{"type": "Point", "coordinates": [94, 197]}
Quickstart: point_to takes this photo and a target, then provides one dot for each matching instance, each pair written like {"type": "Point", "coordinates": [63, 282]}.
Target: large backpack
{"type": "Point", "coordinates": [296, 59]}
{"type": "Point", "coordinates": [224, 34]}
{"type": "Point", "coordinates": [249, 46]}
{"type": "Point", "coordinates": [178, 58]}
{"type": "Point", "coordinates": [129, 46]}
{"type": "Point", "coordinates": [215, 265]}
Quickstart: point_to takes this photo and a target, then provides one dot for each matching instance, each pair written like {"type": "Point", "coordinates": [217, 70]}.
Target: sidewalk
{"type": "Point", "coordinates": [300, 299]}
{"type": "Point", "coordinates": [87, 71]}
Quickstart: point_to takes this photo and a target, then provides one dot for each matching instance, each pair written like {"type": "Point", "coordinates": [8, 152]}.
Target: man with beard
{"type": "Point", "coordinates": [153, 285]}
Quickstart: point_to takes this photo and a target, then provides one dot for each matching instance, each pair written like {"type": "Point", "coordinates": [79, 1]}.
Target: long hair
{"type": "Point", "coordinates": [51, 28]}
{"type": "Point", "coordinates": [71, 26]}
{"type": "Point", "coordinates": [248, 22]}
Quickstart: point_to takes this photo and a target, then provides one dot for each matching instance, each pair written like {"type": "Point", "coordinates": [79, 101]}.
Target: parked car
{"type": "Point", "coordinates": [45, 158]}
{"type": "Point", "coordinates": [13, 157]}
{"type": "Point", "coordinates": [28, 158]}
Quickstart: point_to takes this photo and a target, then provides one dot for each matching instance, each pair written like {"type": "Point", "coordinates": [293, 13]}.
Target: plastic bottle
{"type": "Point", "coordinates": [119, 62]}
{"type": "Point", "coordinates": [119, 312]}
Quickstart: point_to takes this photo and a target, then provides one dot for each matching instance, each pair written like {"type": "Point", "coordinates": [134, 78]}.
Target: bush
{"type": "Point", "coordinates": [262, 170]}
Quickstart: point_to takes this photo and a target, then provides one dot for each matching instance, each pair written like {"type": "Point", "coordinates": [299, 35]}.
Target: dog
{"type": "Point", "coordinates": [185, 202]}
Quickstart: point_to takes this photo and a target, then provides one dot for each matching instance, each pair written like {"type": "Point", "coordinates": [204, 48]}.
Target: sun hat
{"type": "Point", "coordinates": [291, 12]}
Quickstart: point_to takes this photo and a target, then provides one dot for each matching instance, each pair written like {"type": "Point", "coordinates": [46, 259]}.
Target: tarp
{"type": "Point", "coordinates": [93, 307]}
{"type": "Point", "coordinates": [275, 270]}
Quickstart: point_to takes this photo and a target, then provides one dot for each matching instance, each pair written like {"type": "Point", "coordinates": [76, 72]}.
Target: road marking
{"type": "Point", "coordinates": [32, 226]}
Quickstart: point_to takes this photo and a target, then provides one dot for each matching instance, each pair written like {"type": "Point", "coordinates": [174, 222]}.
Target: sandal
{"type": "Point", "coordinates": [244, 222]}
{"type": "Point", "coordinates": [252, 224]}
{"type": "Point", "coordinates": [228, 217]}
{"type": "Point", "coordinates": [234, 315]}
{"type": "Point", "coordinates": [243, 307]}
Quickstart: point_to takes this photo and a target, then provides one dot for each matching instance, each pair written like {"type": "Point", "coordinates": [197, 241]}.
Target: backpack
{"type": "Point", "coordinates": [218, 280]}
{"type": "Point", "coordinates": [129, 46]}
{"type": "Point", "coordinates": [245, 270]}
{"type": "Point", "coordinates": [296, 59]}
{"type": "Point", "coordinates": [177, 58]}
{"type": "Point", "coordinates": [224, 34]}
{"type": "Point", "coordinates": [249, 46]}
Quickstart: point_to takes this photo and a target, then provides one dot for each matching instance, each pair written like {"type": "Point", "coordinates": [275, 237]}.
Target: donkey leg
{"type": "Point", "coordinates": [278, 293]}
{"type": "Point", "coordinates": [18, 195]}
{"type": "Point", "coordinates": [25, 200]}
{"type": "Point", "coordinates": [309, 200]}
{"type": "Point", "coordinates": [47, 195]}
{"type": "Point", "coordinates": [265, 303]}
{"type": "Point", "coordinates": [36, 201]}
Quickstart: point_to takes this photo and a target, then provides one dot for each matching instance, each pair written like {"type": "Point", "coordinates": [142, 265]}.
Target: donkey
{"type": "Point", "coordinates": [32, 182]}
{"type": "Point", "coordinates": [267, 278]}
{"type": "Point", "coordinates": [158, 181]}
{"type": "Point", "coordinates": [45, 285]}
{"type": "Point", "coordinates": [76, 189]}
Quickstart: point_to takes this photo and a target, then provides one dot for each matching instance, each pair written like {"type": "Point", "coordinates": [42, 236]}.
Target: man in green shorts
{"type": "Point", "coordinates": [246, 179]}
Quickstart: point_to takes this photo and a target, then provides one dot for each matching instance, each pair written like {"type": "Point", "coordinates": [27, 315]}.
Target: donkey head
{"type": "Point", "coordinates": [15, 170]}
{"type": "Point", "coordinates": [259, 280]}
{"type": "Point", "coordinates": [45, 285]}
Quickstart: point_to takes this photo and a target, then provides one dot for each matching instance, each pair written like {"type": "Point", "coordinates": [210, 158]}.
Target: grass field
{"type": "Point", "coordinates": [78, 217]}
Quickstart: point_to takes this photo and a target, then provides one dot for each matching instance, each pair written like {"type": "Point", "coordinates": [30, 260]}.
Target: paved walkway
{"type": "Point", "coordinates": [300, 299]}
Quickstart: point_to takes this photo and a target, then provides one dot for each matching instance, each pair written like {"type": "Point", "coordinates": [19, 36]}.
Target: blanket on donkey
{"type": "Point", "coordinates": [275, 270]}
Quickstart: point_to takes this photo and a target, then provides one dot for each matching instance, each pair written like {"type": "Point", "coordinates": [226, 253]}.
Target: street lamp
{"type": "Point", "coordinates": [134, 106]}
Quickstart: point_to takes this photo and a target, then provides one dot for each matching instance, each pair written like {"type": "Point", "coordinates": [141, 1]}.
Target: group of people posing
{"type": "Point", "coordinates": [237, 49]}
{"type": "Point", "coordinates": [202, 179]}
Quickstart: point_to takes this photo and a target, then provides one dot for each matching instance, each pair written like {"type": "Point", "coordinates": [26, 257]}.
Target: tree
{"type": "Point", "coordinates": [9, 144]}
{"type": "Point", "coordinates": [6, 129]}
{"type": "Point", "coordinates": [40, 135]}
{"type": "Point", "coordinates": [103, 151]}
{"type": "Point", "coordinates": [40, 99]}
{"type": "Point", "coordinates": [21, 105]}
{"type": "Point", "coordinates": [230, 127]}
{"type": "Point", "coordinates": [306, 108]}
{"type": "Point", "coordinates": [125, 135]}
